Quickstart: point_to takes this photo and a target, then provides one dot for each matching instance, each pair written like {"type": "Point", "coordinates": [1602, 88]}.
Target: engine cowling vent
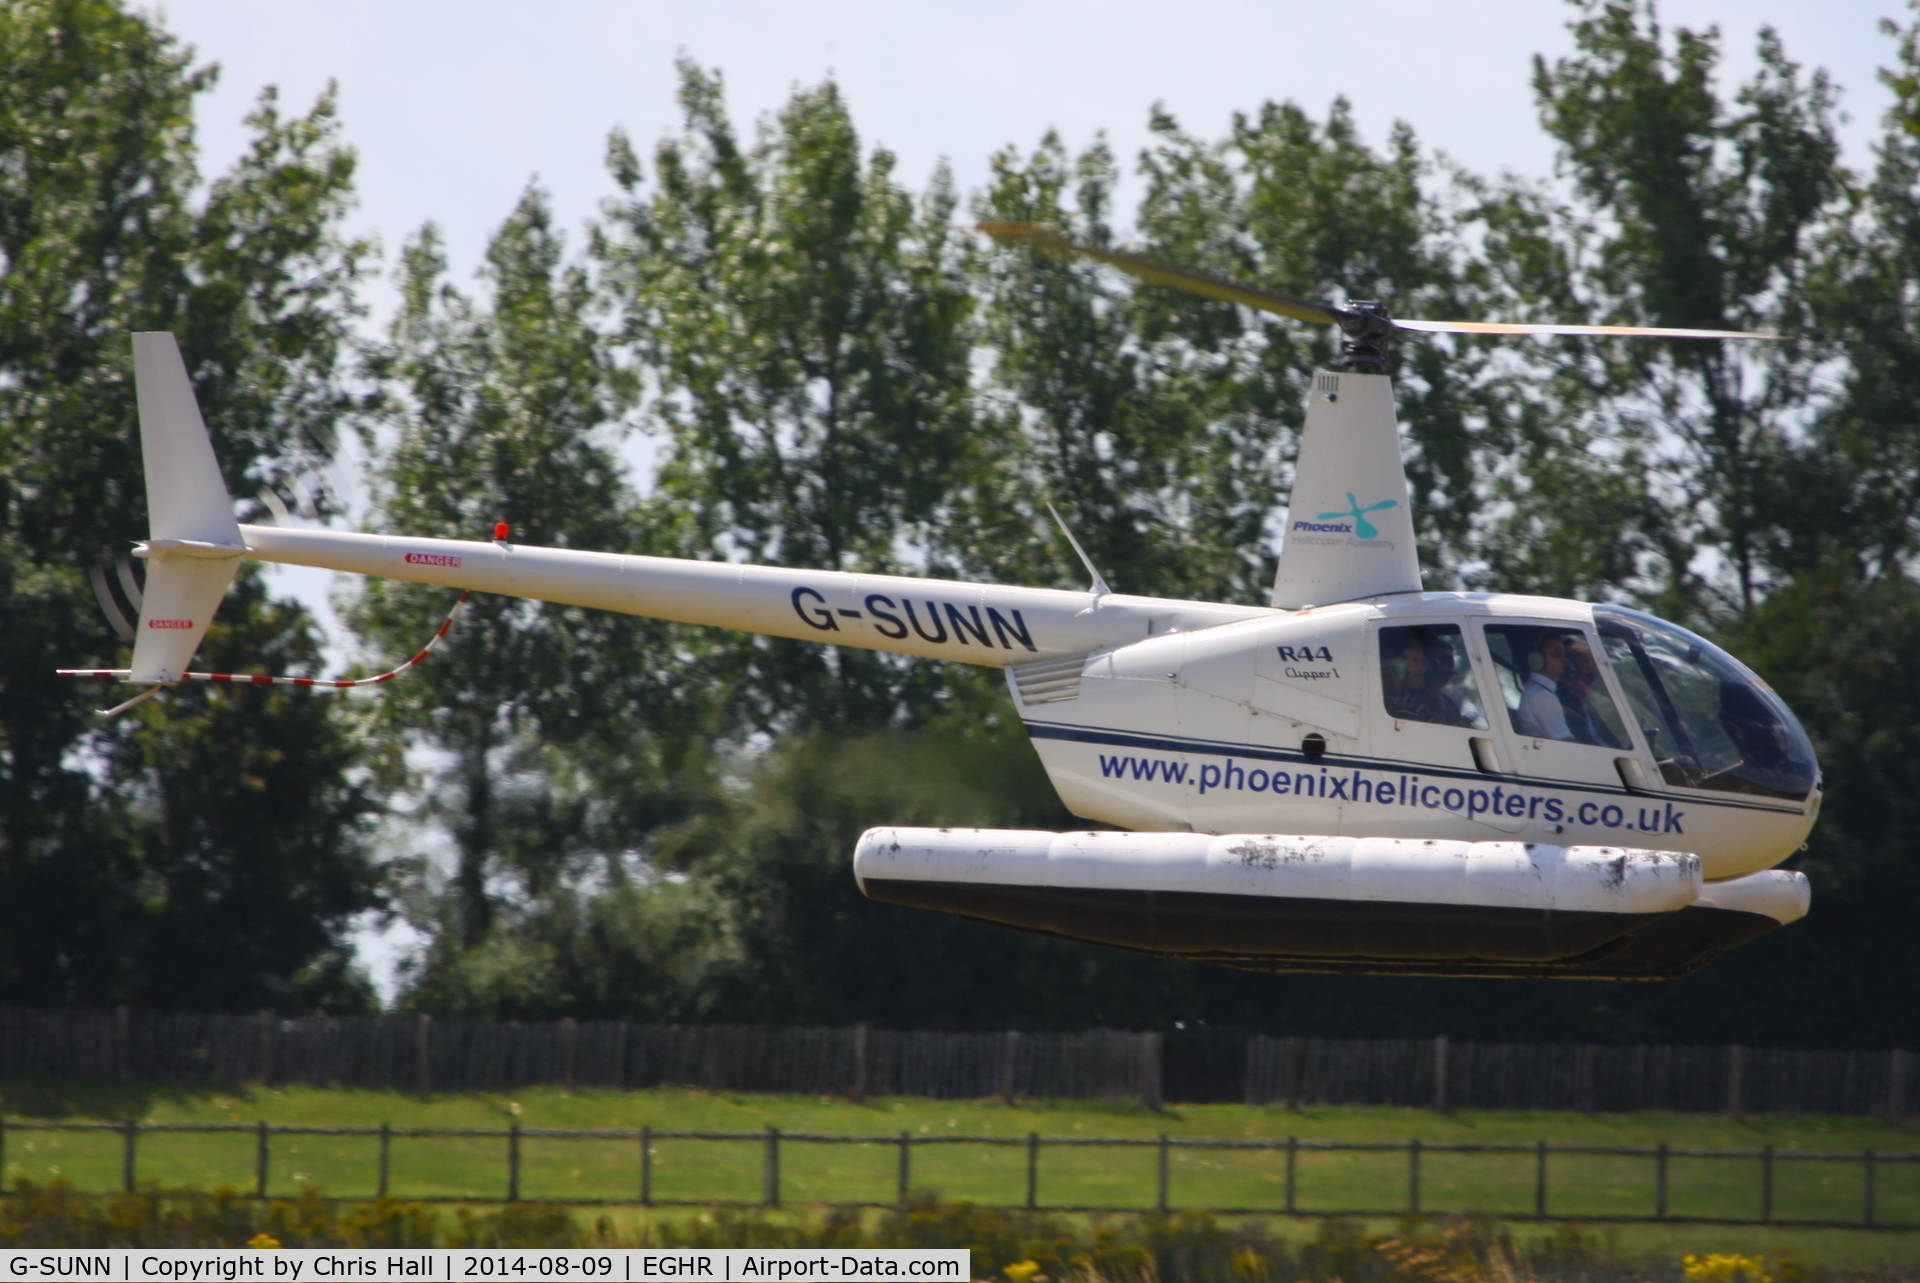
{"type": "Point", "coordinates": [1050, 681]}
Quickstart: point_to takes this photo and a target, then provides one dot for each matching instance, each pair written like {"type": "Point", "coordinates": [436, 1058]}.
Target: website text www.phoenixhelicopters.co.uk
{"type": "Point", "coordinates": [1399, 788]}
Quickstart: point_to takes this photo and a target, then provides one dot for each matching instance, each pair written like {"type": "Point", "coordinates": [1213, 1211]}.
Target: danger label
{"type": "Point", "coordinates": [169, 623]}
{"type": "Point", "coordinates": [431, 559]}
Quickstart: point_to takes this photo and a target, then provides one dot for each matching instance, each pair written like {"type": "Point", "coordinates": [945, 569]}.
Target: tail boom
{"type": "Point", "coordinates": [987, 624]}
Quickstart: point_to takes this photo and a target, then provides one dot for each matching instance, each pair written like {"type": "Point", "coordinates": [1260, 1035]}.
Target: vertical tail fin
{"type": "Point", "coordinates": [195, 543]}
{"type": "Point", "coordinates": [1350, 518]}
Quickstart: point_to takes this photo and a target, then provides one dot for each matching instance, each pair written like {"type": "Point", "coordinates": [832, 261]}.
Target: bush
{"type": "Point", "coordinates": [55, 1215]}
{"type": "Point", "coordinates": [1007, 1246]}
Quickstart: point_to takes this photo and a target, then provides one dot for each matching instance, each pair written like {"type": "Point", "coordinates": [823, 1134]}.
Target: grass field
{"type": "Point", "coordinates": [719, 1171]}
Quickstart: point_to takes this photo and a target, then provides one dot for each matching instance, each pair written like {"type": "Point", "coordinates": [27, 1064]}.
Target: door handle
{"type": "Point", "coordinates": [1632, 774]}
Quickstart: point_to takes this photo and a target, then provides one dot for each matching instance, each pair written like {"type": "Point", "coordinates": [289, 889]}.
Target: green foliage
{"type": "Point", "coordinates": [1192, 1247]}
{"type": "Point", "coordinates": [800, 322]}
{"type": "Point", "coordinates": [1706, 212]}
{"type": "Point", "coordinates": [653, 821]}
{"type": "Point", "coordinates": [1853, 485]}
{"type": "Point", "coordinates": [107, 864]}
{"type": "Point", "coordinates": [253, 850]}
{"type": "Point", "coordinates": [53, 1215]}
{"type": "Point", "coordinates": [797, 328]}
{"type": "Point", "coordinates": [503, 412]}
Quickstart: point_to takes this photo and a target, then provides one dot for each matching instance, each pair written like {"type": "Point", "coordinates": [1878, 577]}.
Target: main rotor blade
{"type": "Point", "coordinates": [1042, 237]}
{"type": "Point", "coordinates": [1626, 331]}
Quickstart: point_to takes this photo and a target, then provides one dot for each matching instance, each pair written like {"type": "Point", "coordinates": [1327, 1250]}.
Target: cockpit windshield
{"type": "Point", "coordinates": [1711, 722]}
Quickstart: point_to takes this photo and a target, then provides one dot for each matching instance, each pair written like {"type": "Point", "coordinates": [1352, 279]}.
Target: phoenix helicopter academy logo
{"type": "Point", "coordinates": [1352, 522]}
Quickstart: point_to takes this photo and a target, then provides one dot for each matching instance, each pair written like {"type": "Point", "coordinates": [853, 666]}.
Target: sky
{"type": "Point", "coordinates": [455, 107]}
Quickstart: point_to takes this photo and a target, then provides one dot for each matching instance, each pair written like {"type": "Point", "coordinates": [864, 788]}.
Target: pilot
{"type": "Point", "coordinates": [1409, 696]}
{"type": "Point", "coordinates": [1540, 713]}
{"type": "Point", "coordinates": [1760, 738]}
{"type": "Point", "coordinates": [1576, 698]}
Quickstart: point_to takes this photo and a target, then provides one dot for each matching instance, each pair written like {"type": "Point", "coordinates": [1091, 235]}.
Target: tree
{"type": "Point", "coordinates": [103, 231]}
{"type": "Point", "coordinates": [1706, 217]}
{"type": "Point", "coordinates": [1308, 208]}
{"type": "Point", "coordinates": [799, 322]}
{"type": "Point", "coordinates": [1089, 417]}
{"type": "Point", "coordinates": [505, 412]}
{"type": "Point", "coordinates": [1854, 489]}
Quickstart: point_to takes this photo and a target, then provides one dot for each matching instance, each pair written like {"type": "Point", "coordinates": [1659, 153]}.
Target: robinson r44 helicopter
{"type": "Point", "coordinates": [1360, 776]}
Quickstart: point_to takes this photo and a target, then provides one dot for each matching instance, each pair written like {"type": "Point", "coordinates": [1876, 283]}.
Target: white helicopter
{"type": "Point", "coordinates": [1360, 776]}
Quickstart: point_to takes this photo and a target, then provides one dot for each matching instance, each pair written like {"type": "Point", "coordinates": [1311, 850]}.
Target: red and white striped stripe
{"type": "Point", "coordinates": [325, 683]}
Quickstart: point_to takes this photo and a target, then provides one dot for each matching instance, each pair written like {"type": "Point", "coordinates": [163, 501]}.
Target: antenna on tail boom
{"type": "Point", "coordinates": [1100, 588]}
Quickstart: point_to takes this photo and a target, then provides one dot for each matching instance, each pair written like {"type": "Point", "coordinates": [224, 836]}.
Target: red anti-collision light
{"type": "Point", "coordinates": [501, 530]}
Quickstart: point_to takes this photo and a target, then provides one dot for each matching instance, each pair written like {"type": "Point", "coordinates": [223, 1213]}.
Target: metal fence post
{"type": "Point", "coordinates": [646, 1167]}
{"type": "Point", "coordinates": [1033, 1170]}
{"type": "Point", "coordinates": [1009, 1062]}
{"type": "Point", "coordinates": [260, 1160]}
{"type": "Point", "coordinates": [773, 1167]}
{"type": "Point", "coordinates": [1293, 1168]}
{"type": "Point", "coordinates": [1660, 1182]}
{"type": "Point", "coordinates": [386, 1157]}
{"type": "Point", "coordinates": [1413, 1177]}
{"type": "Point", "coordinates": [1867, 1216]}
{"type": "Point", "coordinates": [906, 1166]}
{"type": "Point", "coordinates": [1540, 1182]}
{"type": "Point", "coordinates": [130, 1131]}
{"type": "Point", "coordinates": [1734, 1067]}
{"type": "Point", "coordinates": [1766, 1184]}
{"type": "Point", "coordinates": [513, 1161]}
{"type": "Point", "coordinates": [1161, 1200]}
{"type": "Point", "coordinates": [1440, 1073]}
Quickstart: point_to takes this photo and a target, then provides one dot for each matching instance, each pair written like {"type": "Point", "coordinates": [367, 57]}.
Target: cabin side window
{"type": "Point", "coordinates": [1424, 676]}
{"type": "Point", "coordinates": [1550, 682]}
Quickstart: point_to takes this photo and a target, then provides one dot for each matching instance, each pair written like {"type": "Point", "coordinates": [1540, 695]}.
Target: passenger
{"type": "Point", "coordinates": [1540, 713]}
{"type": "Point", "coordinates": [1440, 675]}
{"type": "Point", "coordinates": [1576, 698]}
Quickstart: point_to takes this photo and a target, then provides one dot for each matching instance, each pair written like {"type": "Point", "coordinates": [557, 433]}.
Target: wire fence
{"type": "Point", "coordinates": [1292, 1177]}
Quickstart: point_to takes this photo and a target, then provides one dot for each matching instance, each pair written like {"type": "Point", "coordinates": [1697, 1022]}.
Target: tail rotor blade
{"type": "Point", "coordinates": [108, 606]}
{"type": "Point", "coordinates": [123, 570]}
{"type": "Point", "coordinates": [307, 504]}
{"type": "Point", "coordinates": [270, 498]}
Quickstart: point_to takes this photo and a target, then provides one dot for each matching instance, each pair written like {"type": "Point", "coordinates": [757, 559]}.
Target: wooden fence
{"type": "Point", "coordinates": [1192, 1065]}
{"type": "Point", "coordinates": [1593, 1078]}
{"type": "Point", "coordinates": [422, 1054]}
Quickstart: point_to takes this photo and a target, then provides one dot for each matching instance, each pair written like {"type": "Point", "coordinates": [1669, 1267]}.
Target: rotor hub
{"type": "Point", "coordinates": [1367, 326]}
